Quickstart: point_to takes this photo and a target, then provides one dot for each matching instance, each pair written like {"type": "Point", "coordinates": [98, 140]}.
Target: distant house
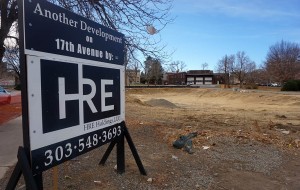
{"type": "Point", "coordinates": [165, 78]}
{"type": "Point", "coordinates": [200, 77]}
{"type": "Point", "coordinates": [220, 78]}
{"type": "Point", "coordinates": [176, 78]}
{"type": "Point", "coordinates": [194, 77]}
{"type": "Point", "coordinates": [133, 76]}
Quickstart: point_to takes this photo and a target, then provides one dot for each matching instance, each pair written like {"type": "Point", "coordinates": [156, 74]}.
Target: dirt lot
{"type": "Point", "coordinates": [246, 140]}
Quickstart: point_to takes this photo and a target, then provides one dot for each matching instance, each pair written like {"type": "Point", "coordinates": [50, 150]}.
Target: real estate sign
{"type": "Point", "coordinates": [75, 83]}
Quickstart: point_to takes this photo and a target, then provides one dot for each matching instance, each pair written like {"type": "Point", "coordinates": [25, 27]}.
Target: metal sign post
{"type": "Point", "coordinates": [73, 92]}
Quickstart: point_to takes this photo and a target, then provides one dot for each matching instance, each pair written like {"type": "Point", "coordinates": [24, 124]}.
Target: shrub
{"type": "Point", "coordinates": [291, 85]}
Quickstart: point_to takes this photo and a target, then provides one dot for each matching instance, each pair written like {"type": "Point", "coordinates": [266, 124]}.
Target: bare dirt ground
{"type": "Point", "coordinates": [246, 140]}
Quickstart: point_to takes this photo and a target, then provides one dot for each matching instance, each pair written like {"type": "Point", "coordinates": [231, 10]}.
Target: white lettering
{"type": "Point", "coordinates": [47, 13]}
{"type": "Point", "coordinates": [89, 51]}
{"type": "Point", "coordinates": [38, 8]}
{"type": "Point", "coordinates": [60, 17]}
{"type": "Point", "coordinates": [64, 45]}
{"type": "Point", "coordinates": [79, 49]}
{"type": "Point", "coordinates": [55, 16]}
{"type": "Point", "coordinates": [83, 50]}
{"type": "Point", "coordinates": [63, 97]}
{"type": "Point", "coordinates": [105, 95]}
{"type": "Point", "coordinates": [88, 97]}
{"type": "Point", "coordinates": [83, 25]}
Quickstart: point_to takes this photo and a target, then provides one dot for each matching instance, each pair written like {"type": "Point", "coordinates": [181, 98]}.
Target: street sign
{"type": "Point", "coordinates": [75, 83]}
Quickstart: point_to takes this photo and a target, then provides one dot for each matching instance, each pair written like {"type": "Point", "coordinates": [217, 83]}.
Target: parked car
{"type": "Point", "coordinates": [5, 96]}
{"type": "Point", "coordinates": [275, 84]}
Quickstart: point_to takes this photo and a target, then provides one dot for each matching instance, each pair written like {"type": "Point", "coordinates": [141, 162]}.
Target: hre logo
{"type": "Point", "coordinates": [74, 94]}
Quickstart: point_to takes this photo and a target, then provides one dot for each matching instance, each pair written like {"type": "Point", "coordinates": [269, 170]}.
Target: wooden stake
{"type": "Point", "coordinates": [55, 178]}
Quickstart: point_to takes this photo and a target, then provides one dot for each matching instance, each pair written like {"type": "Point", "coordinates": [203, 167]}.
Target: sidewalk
{"type": "Point", "coordinates": [11, 137]}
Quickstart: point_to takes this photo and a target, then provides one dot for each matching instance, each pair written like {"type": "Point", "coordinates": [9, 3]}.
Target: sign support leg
{"type": "Point", "coordinates": [121, 152]}
{"type": "Point", "coordinates": [23, 166]}
{"type": "Point", "coordinates": [15, 177]}
{"type": "Point", "coordinates": [121, 155]}
{"type": "Point", "coordinates": [134, 151]}
{"type": "Point", "coordinates": [107, 152]}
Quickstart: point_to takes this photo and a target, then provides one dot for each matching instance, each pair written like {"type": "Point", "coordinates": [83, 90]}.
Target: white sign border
{"type": "Point", "coordinates": [37, 138]}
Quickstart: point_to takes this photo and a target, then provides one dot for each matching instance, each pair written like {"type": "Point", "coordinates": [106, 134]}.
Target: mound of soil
{"type": "Point", "coordinates": [161, 103]}
{"type": "Point", "coordinates": [135, 100]}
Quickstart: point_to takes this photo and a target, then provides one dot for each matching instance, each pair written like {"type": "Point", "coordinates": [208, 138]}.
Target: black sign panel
{"type": "Point", "coordinates": [60, 85]}
{"type": "Point", "coordinates": [52, 29]}
{"type": "Point", "coordinates": [50, 73]}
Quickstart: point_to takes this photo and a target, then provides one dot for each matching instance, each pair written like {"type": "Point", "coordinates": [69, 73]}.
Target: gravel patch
{"type": "Point", "coordinates": [246, 155]}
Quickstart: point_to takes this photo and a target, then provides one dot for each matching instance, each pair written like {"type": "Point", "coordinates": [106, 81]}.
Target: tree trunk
{"type": "Point", "coordinates": [9, 14]}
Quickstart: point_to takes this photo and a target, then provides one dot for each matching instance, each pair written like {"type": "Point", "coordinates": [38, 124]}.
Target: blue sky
{"type": "Point", "coordinates": [206, 30]}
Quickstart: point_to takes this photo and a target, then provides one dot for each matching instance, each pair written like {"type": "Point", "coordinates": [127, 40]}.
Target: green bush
{"type": "Point", "coordinates": [291, 85]}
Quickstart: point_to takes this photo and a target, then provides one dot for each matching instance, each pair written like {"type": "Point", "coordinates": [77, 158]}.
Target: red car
{"type": "Point", "coordinates": [5, 96]}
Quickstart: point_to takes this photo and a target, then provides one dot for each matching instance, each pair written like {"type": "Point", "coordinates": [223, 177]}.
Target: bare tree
{"type": "Point", "coordinates": [11, 54]}
{"type": "Point", "coordinates": [241, 66]}
{"type": "Point", "coordinates": [251, 73]}
{"type": "Point", "coordinates": [9, 15]}
{"type": "Point", "coordinates": [225, 66]}
{"type": "Point", "coordinates": [176, 66]}
{"type": "Point", "coordinates": [12, 59]}
{"type": "Point", "coordinates": [132, 71]}
{"type": "Point", "coordinates": [204, 65]}
{"type": "Point", "coordinates": [263, 77]}
{"type": "Point", "coordinates": [130, 17]}
{"type": "Point", "coordinates": [281, 61]}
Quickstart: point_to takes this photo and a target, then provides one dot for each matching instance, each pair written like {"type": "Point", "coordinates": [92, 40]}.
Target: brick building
{"type": "Point", "coordinates": [199, 77]}
{"type": "Point", "coordinates": [176, 78]}
{"type": "Point", "coordinates": [195, 77]}
{"type": "Point", "coordinates": [133, 76]}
